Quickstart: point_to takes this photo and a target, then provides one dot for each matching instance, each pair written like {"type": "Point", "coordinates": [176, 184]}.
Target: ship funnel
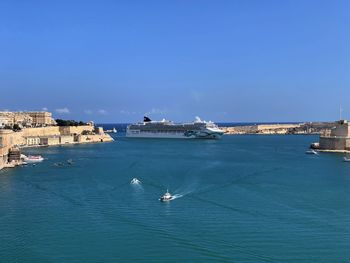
{"type": "Point", "coordinates": [146, 119]}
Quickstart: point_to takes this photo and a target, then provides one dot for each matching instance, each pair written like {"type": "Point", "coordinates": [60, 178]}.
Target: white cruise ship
{"type": "Point", "coordinates": [167, 129]}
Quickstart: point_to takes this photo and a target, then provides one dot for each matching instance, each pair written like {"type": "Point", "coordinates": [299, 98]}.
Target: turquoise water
{"type": "Point", "coordinates": [244, 199]}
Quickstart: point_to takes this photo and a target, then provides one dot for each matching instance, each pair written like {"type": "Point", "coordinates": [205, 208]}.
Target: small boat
{"type": "Point", "coordinates": [311, 152]}
{"type": "Point", "coordinates": [346, 159]}
{"type": "Point", "coordinates": [166, 197]}
{"type": "Point", "coordinates": [114, 130]}
{"type": "Point", "coordinates": [70, 161]}
{"type": "Point", "coordinates": [33, 159]}
{"type": "Point", "coordinates": [135, 181]}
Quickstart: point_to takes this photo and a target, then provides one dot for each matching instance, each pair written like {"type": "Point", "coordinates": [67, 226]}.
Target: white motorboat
{"type": "Point", "coordinates": [311, 152]}
{"type": "Point", "coordinates": [114, 130]}
{"type": "Point", "coordinates": [166, 197]}
{"type": "Point", "coordinates": [33, 159]}
{"type": "Point", "coordinates": [346, 159]}
{"type": "Point", "coordinates": [135, 181]}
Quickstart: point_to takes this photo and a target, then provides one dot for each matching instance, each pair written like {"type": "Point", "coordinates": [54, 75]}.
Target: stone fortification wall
{"type": "Point", "coordinates": [6, 142]}
{"type": "Point", "coordinates": [95, 138]}
{"type": "Point", "coordinates": [3, 160]}
{"type": "Point", "coordinates": [335, 144]}
{"type": "Point", "coordinates": [341, 129]}
{"type": "Point", "coordinates": [68, 130]}
{"type": "Point", "coordinates": [261, 129]}
{"type": "Point", "coordinates": [46, 136]}
{"type": "Point", "coordinates": [41, 131]}
{"type": "Point", "coordinates": [66, 139]}
{"type": "Point", "coordinates": [338, 139]}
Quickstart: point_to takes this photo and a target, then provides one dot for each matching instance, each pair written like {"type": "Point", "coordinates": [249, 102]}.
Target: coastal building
{"type": "Point", "coordinates": [338, 139]}
{"type": "Point", "coordinates": [26, 119]}
{"type": "Point", "coordinates": [41, 118]}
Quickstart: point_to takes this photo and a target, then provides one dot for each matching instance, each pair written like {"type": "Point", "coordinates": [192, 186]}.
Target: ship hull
{"type": "Point", "coordinates": [199, 135]}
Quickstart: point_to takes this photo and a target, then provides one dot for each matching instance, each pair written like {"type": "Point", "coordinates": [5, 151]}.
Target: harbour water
{"type": "Point", "coordinates": [241, 199]}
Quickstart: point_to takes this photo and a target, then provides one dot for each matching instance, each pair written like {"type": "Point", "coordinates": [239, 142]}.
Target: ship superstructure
{"type": "Point", "coordinates": [167, 129]}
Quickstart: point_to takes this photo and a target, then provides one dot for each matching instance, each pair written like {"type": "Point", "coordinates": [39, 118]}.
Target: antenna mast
{"type": "Point", "coordinates": [340, 112]}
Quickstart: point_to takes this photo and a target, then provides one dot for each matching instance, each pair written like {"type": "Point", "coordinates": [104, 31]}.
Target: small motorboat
{"type": "Point", "coordinates": [312, 151]}
{"type": "Point", "coordinates": [70, 161]}
{"type": "Point", "coordinates": [346, 159]}
{"type": "Point", "coordinates": [114, 130]}
{"type": "Point", "coordinates": [33, 159]}
{"type": "Point", "coordinates": [135, 181]}
{"type": "Point", "coordinates": [166, 197]}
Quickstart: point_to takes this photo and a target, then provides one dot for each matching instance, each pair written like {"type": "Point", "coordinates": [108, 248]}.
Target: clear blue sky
{"type": "Point", "coordinates": [113, 61]}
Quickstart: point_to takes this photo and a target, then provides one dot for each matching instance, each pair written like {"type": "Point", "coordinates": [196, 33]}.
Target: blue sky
{"type": "Point", "coordinates": [240, 61]}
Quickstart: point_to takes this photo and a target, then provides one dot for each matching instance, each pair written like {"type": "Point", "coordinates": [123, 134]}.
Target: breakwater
{"type": "Point", "coordinates": [284, 128]}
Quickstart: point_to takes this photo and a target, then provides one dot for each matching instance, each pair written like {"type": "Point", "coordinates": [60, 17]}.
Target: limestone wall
{"type": "Point", "coordinates": [95, 138]}
{"type": "Point", "coordinates": [41, 131]}
{"type": "Point", "coordinates": [341, 129]}
{"type": "Point", "coordinates": [66, 139]}
{"type": "Point", "coordinates": [332, 143]}
{"type": "Point", "coordinates": [262, 127]}
{"type": "Point", "coordinates": [53, 140]}
{"type": "Point", "coordinates": [47, 136]}
{"type": "Point", "coordinates": [75, 129]}
{"type": "Point", "coordinates": [3, 160]}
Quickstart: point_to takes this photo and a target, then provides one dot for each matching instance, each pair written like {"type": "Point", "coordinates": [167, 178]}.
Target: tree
{"type": "Point", "coordinates": [16, 127]}
{"type": "Point", "coordinates": [61, 122]}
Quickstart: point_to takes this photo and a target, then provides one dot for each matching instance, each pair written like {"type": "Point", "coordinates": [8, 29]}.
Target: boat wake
{"type": "Point", "coordinates": [176, 196]}
{"type": "Point", "coordinates": [136, 184]}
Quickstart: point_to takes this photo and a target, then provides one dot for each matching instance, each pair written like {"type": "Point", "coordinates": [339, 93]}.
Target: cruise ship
{"type": "Point", "coordinates": [167, 129]}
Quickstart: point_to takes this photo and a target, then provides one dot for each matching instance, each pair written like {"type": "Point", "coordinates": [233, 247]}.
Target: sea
{"type": "Point", "coordinates": [244, 198]}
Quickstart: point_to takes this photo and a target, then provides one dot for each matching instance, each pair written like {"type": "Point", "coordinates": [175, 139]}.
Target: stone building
{"type": "Point", "coordinates": [41, 118]}
{"type": "Point", "coordinates": [8, 118]}
{"type": "Point", "coordinates": [338, 139]}
{"type": "Point", "coordinates": [26, 119]}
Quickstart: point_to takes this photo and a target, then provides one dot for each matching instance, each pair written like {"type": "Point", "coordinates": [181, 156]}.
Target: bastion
{"type": "Point", "coordinates": [338, 140]}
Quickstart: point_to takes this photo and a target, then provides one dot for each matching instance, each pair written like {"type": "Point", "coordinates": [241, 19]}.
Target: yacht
{"type": "Point", "coordinates": [166, 197]}
{"type": "Point", "coordinates": [197, 129]}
